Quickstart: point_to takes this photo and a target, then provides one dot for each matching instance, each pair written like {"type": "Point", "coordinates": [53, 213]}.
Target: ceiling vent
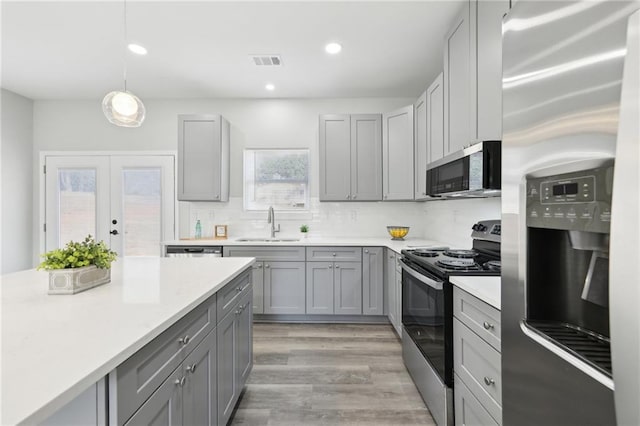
{"type": "Point", "coordinates": [266, 60]}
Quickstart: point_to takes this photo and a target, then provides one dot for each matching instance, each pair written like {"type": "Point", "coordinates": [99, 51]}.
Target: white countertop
{"type": "Point", "coordinates": [409, 242]}
{"type": "Point", "coordinates": [55, 347]}
{"type": "Point", "coordinates": [486, 289]}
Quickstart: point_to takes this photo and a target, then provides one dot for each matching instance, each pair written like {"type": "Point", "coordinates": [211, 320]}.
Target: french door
{"type": "Point", "coordinates": [125, 200]}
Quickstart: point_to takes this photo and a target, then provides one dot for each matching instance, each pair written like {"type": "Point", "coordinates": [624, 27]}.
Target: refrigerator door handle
{"type": "Point", "coordinates": [624, 292]}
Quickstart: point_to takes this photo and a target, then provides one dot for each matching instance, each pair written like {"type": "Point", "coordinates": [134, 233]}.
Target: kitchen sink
{"type": "Point", "coordinates": [267, 240]}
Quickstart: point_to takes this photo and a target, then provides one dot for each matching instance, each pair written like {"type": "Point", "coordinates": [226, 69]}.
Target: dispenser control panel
{"type": "Point", "coordinates": [579, 201]}
{"type": "Point", "coordinates": [575, 190]}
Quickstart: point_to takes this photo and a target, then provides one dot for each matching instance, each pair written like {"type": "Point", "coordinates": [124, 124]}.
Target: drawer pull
{"type": "Point", "coordinates": [366, 251]}
{"type": "Point", "coordinates": [184, 340]}
{"type": "Point", "coordinates": [337, 266]}
{"type": "Point", "coordinates": [333, 254]}
{"type": "Point", "coordinates": [267, 266]}
{"type": "Point", "coordinates": [181, 381]}
{"type": "Point", "coordinates": [488, 326]}
{"type": "Point", "coordinates": [192, 368]}
{"type": "Point", "coordinates": [239, 289]}
{"type": "Point", "coordinates": [489, 381]}
{"type": "Point", "coordinates": [330, 266]}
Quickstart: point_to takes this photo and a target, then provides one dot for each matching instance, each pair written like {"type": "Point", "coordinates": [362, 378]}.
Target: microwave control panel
{"type": "Point", "coordinates": [578, 201]}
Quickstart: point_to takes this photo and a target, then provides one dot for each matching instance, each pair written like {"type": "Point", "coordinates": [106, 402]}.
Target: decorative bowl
{"type": "Point", "coordinates": [398, 232]}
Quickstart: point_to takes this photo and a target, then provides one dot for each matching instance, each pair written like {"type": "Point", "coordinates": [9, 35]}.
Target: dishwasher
{"type": "Point", "coordinates": [193, 251]}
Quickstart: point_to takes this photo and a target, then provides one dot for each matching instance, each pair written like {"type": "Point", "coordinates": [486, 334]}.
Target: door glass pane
{"type": "Point", "coordinates": [141, 211]}
{"type": "Point", "coordinates": [77, 189]}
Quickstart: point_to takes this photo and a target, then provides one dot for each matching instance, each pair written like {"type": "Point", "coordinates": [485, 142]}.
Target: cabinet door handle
{"type": "Point", "coordinates": [337, 266]}
{"type": "Point", "coordinates": [184, 340]}
{"type": "Point", "coordinates": [192, 368]}
{"type": "Point", "coordinates": [489, 381]}
{"type": "Point", "coordinates": [330, 266]}
{"type": "Point", "coordinates": [487, 325]}
{"type": "Point", "coordinates": [181, 381]}
{"type": "Point", "coordinates": [386, 196]}
{"type": "Point", "coordinates": [267, 266]}
{"type": "Point", "coordinates": [260, 266]}
{"type": "Point", "coordinates": [354, 197]}
{"type": "Point", "coordinates": [333, 254]}
{"type": "Point", "coordinates": [366, 251]}
{"type": "Point", "coordinates": [347, 197]}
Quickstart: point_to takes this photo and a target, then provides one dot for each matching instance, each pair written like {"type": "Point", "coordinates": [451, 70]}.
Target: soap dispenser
{"type": "Point", "coordinates": [198, 233]}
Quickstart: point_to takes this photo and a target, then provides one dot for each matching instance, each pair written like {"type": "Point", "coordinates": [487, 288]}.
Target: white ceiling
{"type": "Point", "coordinates": [74, 50]}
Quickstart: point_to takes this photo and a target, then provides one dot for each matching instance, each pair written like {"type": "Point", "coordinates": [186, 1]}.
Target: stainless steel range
{"type": "Point", "coordinates": [427, 311]}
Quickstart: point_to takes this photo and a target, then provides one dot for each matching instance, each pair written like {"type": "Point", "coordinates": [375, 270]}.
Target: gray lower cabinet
{"type": "Point", "coordinates": [394, 292]}
{"type": "Point", "coordinates": [320, 288]}
{"type": "Point", "coordinates": [257, 276]}
{"type": "Point", "coordinates": [164, 407]}
{"type": "Point", "coordinates": [284, 288]}
{"type": "Point", "coordinates": [476, 360]}
{"type": "Point", "coordinates": [186, 396]}
{"type": "Point", "coordinates": [193, 373]}
{"type": "Point", "coordinates": [373, 281]}
{"type": "Point", "coordinates": [278, 277]}
{"type": "Point", "coordinates": [203, 157]}
{"type": "Point", "coordinates": [334, 288]}
{"type": "Point", "coordinates": [235, 356]}
{"type": "Point", "coordinates": [347, 288]}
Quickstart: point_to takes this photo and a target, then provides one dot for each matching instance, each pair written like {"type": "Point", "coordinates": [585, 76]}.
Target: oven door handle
{"type": "Point", "coordinates": [437, 285]}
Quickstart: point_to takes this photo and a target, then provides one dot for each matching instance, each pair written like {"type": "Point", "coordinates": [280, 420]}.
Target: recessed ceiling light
{"type": "Point", "coordinates": [137, 49]}
{"type": "Point", "coordinates": [270, 87]}
{"type": "Point", "coordinates": [333, 48]}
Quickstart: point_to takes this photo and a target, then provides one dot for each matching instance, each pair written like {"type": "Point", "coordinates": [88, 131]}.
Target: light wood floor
{"type": "Point", "coordinates": [329, 374]}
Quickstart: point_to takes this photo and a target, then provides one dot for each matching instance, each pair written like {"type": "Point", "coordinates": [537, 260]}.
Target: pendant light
{"type": "Point", "coordinates": [123, 108]}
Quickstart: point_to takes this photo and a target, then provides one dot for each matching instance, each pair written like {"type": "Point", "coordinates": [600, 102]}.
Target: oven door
{"type": "Point", "coordinates": [427, 318]}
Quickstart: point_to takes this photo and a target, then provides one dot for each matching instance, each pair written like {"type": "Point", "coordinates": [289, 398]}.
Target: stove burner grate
{"type": "Point", "coordinates": [493, 265]}
{"type": "Point", "coordinates": [426, 253]}
{"type": "Point", "coordinates": [461, 254]}
{"type": "Point", "coordinates": [458, 265]}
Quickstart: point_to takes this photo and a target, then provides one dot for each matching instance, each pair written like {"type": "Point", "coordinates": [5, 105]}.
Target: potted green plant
{"type": "Point", "coordinates": [304, 229]}
{"type": "Point", "coordinates": [78, 266]}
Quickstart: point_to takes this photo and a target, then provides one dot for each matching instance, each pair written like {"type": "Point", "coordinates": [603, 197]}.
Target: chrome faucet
{"type": "Point", "coordinates": [271, 218]}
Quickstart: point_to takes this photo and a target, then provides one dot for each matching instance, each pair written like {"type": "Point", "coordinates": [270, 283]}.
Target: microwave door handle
{"type": "Point", "coordinates": [624, 247]}
{"type": "Point", "coordinates": [435, 284]}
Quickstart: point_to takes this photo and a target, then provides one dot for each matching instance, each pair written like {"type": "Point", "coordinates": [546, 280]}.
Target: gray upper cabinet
{"type": "Point", "coordinates": [397, 155]}
{"type": "Point", "coordinates": [473, 75]}
{"type": "Point", "coordinates": [372, 281]}
{"type": "Point", "coordinates": [350, 157]}
{"type": "Point", "coordinates": [366, 157]}
{"type": "Point", "coordinates": [284, 288]}
{"type": "Point", "coordinates": [203, 157]}
{"type": "Point", "coordinates": [457, 83]}
{"type": "Point", "coordinates": [347, 288]}
{"type": "Point", "coordinates": [435, 120]}
{"type": "Point", "coordinates": [421, 146]}
{"type": "Point", "coordinates": [335, 157]}
{"type": "Point", "coordinates": [486, 33]}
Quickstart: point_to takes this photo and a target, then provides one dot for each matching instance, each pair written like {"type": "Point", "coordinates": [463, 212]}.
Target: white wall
{"type": "Point", "coordinates": [17, 196]}
{"type": "Point", "coordinates": [265, 123]}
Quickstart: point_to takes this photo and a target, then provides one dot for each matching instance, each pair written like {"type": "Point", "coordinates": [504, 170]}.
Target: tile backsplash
{"type": "Point", "coordinates": [326, 219]}
{"type": "Point", "coordinates": [446, 221]}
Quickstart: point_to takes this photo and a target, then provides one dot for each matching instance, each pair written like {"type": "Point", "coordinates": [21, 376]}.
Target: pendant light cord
{"type": "Point", "coordinates": [124, 56]}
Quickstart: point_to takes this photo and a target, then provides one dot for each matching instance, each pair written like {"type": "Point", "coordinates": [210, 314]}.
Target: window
{"type": "Point", "coordinates": [276, 177]}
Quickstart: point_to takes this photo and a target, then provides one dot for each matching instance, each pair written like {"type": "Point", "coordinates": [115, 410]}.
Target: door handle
{"type": "Point", "coordinates": [114, 232]}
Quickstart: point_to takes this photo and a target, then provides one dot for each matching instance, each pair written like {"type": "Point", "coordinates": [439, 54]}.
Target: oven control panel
{"type": "Point", "coordinates": [489, 230]}
{"type": "Point", "coordinates": [579, 201]}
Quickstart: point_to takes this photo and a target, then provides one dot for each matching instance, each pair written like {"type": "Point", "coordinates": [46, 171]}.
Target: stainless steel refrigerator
{"type": "Point", "coordinates": [571, 216]}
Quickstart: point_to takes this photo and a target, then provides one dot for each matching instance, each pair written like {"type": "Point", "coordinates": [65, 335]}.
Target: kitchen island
{"type": "Point", "coordinates": [55, 347]}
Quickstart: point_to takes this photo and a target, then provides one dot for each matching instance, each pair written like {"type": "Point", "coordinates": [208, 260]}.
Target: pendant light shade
{"type": "Point", "coordinates": [123, 109]}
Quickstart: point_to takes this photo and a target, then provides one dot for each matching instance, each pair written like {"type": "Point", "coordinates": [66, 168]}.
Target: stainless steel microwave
{"type": "Point", "coordinates": [472, 172]}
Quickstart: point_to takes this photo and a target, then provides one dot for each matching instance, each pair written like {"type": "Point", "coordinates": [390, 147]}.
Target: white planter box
{"type": "Point", "coordinates": [71, 281]}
